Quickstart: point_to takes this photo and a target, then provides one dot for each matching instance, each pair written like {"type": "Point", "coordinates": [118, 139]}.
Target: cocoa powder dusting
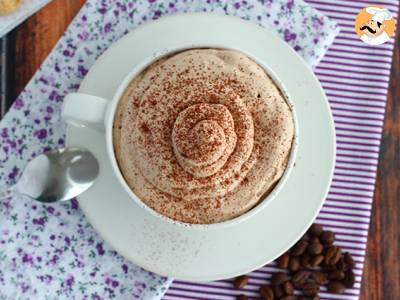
{"type": "Point", "coordinates": [145, 129]}
{"type": "Point", "coordinates": [207, 116]}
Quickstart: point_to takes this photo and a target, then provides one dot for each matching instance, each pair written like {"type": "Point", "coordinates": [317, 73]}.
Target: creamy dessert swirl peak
{"type": "Point", "coordinates": [203, 135]}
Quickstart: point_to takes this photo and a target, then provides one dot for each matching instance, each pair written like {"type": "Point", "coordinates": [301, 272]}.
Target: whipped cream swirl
{"type": "Point", "coordinates": [202, 135]}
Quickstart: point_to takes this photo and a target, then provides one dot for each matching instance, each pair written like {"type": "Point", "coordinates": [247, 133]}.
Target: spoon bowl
{"type": "Point", "coordinates": [58, 175]}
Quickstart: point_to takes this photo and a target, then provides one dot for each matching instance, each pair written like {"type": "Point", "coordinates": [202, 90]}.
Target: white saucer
{"type": "Point", "coordinates": [193, 253]}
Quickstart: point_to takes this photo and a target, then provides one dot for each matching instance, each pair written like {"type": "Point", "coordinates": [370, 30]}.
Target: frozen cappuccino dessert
{"type": "Point", "coordinates": [202, 136]}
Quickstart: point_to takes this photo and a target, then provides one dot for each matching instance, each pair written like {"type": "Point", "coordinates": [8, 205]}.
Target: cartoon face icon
{"type": "Point", "coordinates": [375, 25]}
{"type": "Point", "coordinates": [373, 28]}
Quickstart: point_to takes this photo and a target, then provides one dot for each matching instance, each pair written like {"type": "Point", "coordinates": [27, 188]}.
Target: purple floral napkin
{"type": "Point", "coordinates": [52, 252]}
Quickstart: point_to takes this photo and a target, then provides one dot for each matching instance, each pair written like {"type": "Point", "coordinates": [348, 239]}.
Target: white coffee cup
{"type": "Point", "coordinates": [92, 111]}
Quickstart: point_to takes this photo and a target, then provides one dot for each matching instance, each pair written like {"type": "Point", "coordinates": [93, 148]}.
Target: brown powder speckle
{"type": "Point", "coordinates": [144, 128]}
{"type": "Point", "coordinates": [199, 128]}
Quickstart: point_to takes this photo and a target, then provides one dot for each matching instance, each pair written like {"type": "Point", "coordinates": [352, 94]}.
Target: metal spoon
{"type": "Point", "coordinates": [57, 175]}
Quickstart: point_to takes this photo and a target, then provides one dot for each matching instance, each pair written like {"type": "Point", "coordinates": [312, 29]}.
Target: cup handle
{"type": "Point", "coordinates": [84, 110]}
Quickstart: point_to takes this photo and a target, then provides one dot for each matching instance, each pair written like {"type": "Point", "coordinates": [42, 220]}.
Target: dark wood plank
{"type": "Point", "coordinates": [36, 37]}
{"type": "Point", "coordinates": [382, 270]}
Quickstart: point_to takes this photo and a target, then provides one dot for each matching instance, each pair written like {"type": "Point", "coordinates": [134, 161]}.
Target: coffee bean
{"type": "Point", "coordinates": [336, 275]}
{"type": "Point", "coordinates": [315, 248]}
{"type": "Point", "coordinates": [316, 260]}
{"type": "Point", "coordinates": [279, 278]}
{"type": "Point", "coordinates": [315, 230]}
{"type": "Point", "coordinates": [266, 292]}
{"type": "Point", "coordinates": [305, 237]}
{"type": "Point", "coordinates": [305, 260]}
{"type": "Point", "coordinates": [316, 297]}
{"type": "Point", "coordinates": [294, 264]}
{"type": "Point", "coordinates": [333, 255]}
{"type": "Point", "coordinates": [240, 281]}
{"type": "Point", "coordinates": [278, 292]}
{"type": "Point", "coordinates": [327, 237]}
{"type": "Point", "coordinates": [288, 288]}
{"type": "Point", "coordinates": [310, 288]}
{"type": "Point", "coordinates": [319, 278]}
{"type": "Point", "coordinates": [291, 297]}
{"type": "Point", "coordinates": [336, 287]}
{"type": "Point", "coordinates": [348, 259]}
{"type": "Point", "coordinates": [300, 277]}
{"type": "Point", "coordinates": [341, 265]}
{"type": "Point", "coordinates": [299, 248]}
{"type": "Point", "coordinates": [328, 267]}
{"type": "Point", "coordinates": [349, 279]}
{"type": "Point", "coordinates": [283, 261]}
{"type": "Point", "coordinates": [243, 297]}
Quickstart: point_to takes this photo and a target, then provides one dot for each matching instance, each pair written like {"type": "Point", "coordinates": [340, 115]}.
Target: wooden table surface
{"type": "Point", "coordinates": [37, 36]}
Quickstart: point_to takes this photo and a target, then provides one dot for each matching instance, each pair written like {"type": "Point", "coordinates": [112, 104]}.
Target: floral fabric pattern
{"type": "Point", "coordinates": [51, 251]}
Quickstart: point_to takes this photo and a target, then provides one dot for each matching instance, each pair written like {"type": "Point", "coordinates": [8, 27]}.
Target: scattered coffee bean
{"type": "Point", "coordinates": [288, 288]}
{"type": "Point", "coordinates": [333, 255]}
{"type": "Point", "coordinates": [316, 260]}
{"type": "Point", "coordinates": [315, 248]}
{"type": "Point", "coordinates": [305, 237]}
{"type": "Point", "coordinates": [266, 292]}
{"type": "Point", "coordinates": [310, 289]}
{"type": "Point", "coordinates": [291, 297]}
{"type": "Point", "coordinates": [315, 230]}
{"type": "Point", "coordinates": [319, 278]}
{"type": "Point", "coordinates": [279, 278]}
{"type": "Point", "coordinates": [336, 287]}
{"type": "Point", "coordinates": [300, 277]}
{"type": "Point", "coordinates": [341, 265]}
{"type": "Point", "coordinates": [328, 267]}
{"type": "Point", "coordinates": [243, 297]}
{"type": "Point", "coordinates": [294, 264]}
{"type": "Point", "coordinates": [327, 237]}
{"type": "Point", "coordinates": [336, 275]}
{"type": "Point", "coordinates": [278, 292]}
{"type": "Point", "coordinates": [316, 297]}
{"type": "Point", "coordinates": [305, 260]}
{"type": "Point", "coordinates": [348, 259]}
{"type": "Point", "coordinates": [299, 248]}
{"type": "Point", "coordinates": [240, 281]}
{"type": "Point", "coordinates": [283, 261]}
{"type": "Point", "coordinates": [349, 278]}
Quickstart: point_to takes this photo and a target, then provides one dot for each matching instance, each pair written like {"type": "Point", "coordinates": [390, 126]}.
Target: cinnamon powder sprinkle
{"type": "Point", "coordinates": [221, 133]}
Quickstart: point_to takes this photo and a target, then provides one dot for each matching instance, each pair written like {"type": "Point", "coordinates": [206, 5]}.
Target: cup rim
{"type": "Point", "coordinates": [109, 121]}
